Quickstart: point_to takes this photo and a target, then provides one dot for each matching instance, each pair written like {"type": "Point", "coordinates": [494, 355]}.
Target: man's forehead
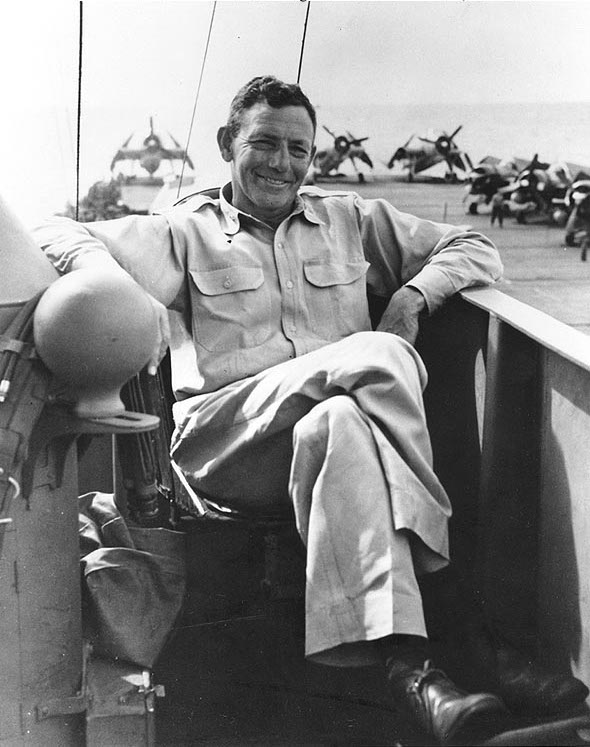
{"type": "Point", "coordinates": [262, 116]}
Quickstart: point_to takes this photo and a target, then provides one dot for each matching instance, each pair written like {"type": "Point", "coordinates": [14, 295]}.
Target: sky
{"type": "Point", "coordinates": [145, 56]}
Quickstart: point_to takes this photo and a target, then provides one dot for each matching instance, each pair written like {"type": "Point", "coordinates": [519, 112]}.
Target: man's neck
{"type": "Point", "coordinates": [272, 221]}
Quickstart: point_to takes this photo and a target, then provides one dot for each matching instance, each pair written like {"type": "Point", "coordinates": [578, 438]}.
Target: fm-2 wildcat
{"type": "Point", "coordinates": [419, 153]}
{"type": "Point", "coordinates": [327, 161]}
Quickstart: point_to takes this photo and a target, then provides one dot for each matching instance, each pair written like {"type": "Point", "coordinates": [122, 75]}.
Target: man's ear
{"type": "Point", "coordinates": [224, 143]}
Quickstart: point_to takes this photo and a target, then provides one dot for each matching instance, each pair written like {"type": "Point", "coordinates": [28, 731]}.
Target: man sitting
{"type": "Point", "coordinates": [287, 401]}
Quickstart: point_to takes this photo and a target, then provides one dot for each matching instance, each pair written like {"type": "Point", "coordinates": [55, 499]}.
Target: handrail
{"type": "Point", "coordinates": [557, 336]}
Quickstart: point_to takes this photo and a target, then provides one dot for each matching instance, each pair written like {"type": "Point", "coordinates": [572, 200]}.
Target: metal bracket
{"type": "Point", "coordinates": [74, 704]}
{"type": "Point", "coordinates": [57, 423]}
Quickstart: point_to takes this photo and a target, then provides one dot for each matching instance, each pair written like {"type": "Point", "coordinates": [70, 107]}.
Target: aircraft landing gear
{"type": "Point", "coordinates": [473, 208]}
{"type": "Point", "coordinates": [451, 177]}
{"type": "Point", "coordinates": [361, 178]}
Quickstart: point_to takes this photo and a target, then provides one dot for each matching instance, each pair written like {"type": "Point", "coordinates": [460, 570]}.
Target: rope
{"type": "Point", "coordinates": [79, 112]}
{"type": "Point", "coordinates": [303, 41]}
{"type": "Point", "coordinates": [190, 129]}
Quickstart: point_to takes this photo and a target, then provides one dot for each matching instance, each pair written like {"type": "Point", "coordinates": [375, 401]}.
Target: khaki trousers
{"type": "Point", "coordinates": [340, 435]}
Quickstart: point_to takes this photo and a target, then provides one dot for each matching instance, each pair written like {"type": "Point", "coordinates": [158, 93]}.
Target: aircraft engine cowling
{"type": "Point", "coordinates": [443, 145]}
{"type": "Point", "coordinates": [341, 144]}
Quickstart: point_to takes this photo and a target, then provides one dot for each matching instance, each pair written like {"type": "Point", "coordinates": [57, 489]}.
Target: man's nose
{"type": "Point", "coordinates": [280, 157]}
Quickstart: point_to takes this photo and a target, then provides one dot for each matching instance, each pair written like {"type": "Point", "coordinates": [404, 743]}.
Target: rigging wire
{"type": "Point", "coordinates": [190, 129]}
{"type": "Point", "coordinates": [303, 41]}
{"type": "Point", "coordinates": [79, 108]}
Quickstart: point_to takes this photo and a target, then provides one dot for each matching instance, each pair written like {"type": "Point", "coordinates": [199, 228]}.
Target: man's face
{"type": "Point", "coordinates": [269, 158]}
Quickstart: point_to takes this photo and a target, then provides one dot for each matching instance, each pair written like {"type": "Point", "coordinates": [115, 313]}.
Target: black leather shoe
{"type": "Point", "coordinates": [438, 707]}
{"type": "Point", "coordinates": [523, 684]}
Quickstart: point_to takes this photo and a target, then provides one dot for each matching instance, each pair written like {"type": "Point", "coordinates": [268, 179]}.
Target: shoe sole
{"type": "Point", "coordinates": [482, 721]}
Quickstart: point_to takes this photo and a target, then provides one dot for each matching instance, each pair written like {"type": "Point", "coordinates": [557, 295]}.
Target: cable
{"type": "Point", "coordinates": [190, 129]}
{"type": "Point", "coordinates": [79, 112]}
{"type": "Point", "coordinates": [303, 41]}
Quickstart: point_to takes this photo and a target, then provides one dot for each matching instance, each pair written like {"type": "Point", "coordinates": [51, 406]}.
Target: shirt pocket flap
{"type": "Point", "coordinates": [334, 273]}
{"type": "Point", "coordinates": [227, 280]}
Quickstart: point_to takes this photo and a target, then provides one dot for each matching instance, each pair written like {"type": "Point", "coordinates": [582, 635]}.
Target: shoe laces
{"type": "Point", "coordinates": [427, 674]}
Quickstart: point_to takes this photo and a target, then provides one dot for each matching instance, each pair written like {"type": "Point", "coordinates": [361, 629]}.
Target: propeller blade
{"type": "Point", "coordinates": [405, 145]}
{"type": "Point", "coordinates": [174, 140]}
{"type": "Point", "coordinates": [329, 132]}
{"type": "Point", "coordinates": [469, 162]}
{"type": "Point", "coordinates": [427, 140]}
{"type": "Point", "coordinates": [456, 131]}
{"type": "Point", "coordinates": [365, 159]}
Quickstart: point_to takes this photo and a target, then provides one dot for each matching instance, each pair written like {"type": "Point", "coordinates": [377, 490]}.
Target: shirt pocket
{"type": "Point", "coordinates": [231, 307]}
{"type": "Point", "coordinates": [336, 296]}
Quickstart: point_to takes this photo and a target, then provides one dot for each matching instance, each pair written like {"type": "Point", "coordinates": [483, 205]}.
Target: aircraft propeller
{"type": "Point", "coordinates": [444, 143]}
{"type": "Point", "coordinates": [343, 144]}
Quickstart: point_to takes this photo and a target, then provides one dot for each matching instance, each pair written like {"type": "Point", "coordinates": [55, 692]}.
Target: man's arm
{"type": "Point", "coordinates": [401, 317]}
{"type": "Point", "coordinates": [418, 264]}
{"type": "Point", "coordinates": [136, 248]}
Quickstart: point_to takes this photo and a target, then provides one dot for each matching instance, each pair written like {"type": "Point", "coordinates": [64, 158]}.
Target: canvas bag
{"type": "Point", "coordinates": [134, 581]}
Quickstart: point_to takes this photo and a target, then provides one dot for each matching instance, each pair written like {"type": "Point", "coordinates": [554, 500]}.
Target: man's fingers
{"type": "Point", "coordinates": [163, 339]}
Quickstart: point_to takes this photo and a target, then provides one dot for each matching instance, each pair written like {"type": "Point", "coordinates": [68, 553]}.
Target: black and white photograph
{"type": "Point", "coordinates": [294, 373]}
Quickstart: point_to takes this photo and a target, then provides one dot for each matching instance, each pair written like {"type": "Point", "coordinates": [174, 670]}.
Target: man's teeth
{"type": "Point", "coordinates": [278, 182]}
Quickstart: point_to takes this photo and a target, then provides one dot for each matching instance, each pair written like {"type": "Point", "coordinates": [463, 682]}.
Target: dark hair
{"type": "Point", "coordinates": [267, 88]}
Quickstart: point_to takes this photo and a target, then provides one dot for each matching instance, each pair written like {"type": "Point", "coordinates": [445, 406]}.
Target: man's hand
{"type": "Point", "coordinates": [163, 337]}
{"type": "Point", "coordinates": [401, 315]}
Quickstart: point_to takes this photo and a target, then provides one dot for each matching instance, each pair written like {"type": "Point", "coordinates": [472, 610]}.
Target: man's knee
{"type": "Point", "coordinates": [386, 352]}
{"type": "Point", "coordinates": [337, 411]}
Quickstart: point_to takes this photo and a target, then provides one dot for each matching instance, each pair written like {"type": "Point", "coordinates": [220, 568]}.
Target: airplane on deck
{"type": "Point", "coordinates": [577, 202]}
{"type": "Point", "coordinates": [326, 162]}
{"type": "Point", "coordinates": [153, 152]}
{"type": "Point", "coordinates": [540, 189]}
{"type": "Point", "coordinates": [491, 175]}
{"type": "Point", "coordinates": [420, 153]}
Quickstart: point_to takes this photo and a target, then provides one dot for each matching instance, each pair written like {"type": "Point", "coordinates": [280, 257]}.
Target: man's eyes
{"type": "Point", "coordinates": [298, 151]}
{"type": "Point", "coordinates": [263, 144]}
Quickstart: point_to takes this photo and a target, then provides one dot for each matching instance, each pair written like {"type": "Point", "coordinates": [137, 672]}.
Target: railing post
{"type": "Point", "coordinates": [510, 482]}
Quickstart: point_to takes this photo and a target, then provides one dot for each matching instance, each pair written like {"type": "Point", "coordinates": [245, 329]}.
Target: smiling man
{"type": "Point", "coordinates": [270, 150]}
{"type": "Point", "coordinates": [289, 403]}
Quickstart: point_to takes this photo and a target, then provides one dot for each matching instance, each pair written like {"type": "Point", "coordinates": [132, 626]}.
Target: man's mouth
{"type": "Point", "coordinates": [273, 182]}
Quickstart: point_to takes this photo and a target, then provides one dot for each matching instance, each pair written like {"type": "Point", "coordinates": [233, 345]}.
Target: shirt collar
{"type": "Point", "coordinates": [231, 221]}
{"type": "Point", "coordinates": [231, 214]}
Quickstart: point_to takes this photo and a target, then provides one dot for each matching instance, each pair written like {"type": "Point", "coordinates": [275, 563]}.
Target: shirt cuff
{"type": "Point", "coordinates": [435, 285]}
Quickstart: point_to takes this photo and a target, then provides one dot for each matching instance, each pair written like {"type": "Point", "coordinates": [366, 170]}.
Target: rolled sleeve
{"type": "Point", "coordinates": [438, 259]}
{"type": "Point", "coordinates": [141, 245]}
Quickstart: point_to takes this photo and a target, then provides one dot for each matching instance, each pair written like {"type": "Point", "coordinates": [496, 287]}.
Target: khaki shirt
{"type": "Point", "coordinates": [249, 297]}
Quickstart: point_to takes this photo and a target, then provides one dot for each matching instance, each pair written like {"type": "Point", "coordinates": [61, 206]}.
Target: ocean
{"type": "Point", "coordinates": [40, 179]}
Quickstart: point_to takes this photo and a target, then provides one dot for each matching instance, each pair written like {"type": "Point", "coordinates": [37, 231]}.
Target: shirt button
{"type": "Point", "coordinates": [280, 244]}
{"type": "Point", "coordinates": [227, 283]}
{"type": "Point", "coordinates": [293, 328]}
{"type": "Point", "coordinates": [289, 284]}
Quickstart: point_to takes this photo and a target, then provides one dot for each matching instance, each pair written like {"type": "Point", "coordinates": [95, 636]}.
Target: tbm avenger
{"type": "Point", "coordinates": [326, 162]}
{"type": "Point", "coordinates": [540, 189]}
{"type": "Point", "coordinates": [490, 177]}
{"type": "Point", "coordinates": [420, 153]}
{"type": "Point", "coordinates": [152, 152]}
